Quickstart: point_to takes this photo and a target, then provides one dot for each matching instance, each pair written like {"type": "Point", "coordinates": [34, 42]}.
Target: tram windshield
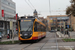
{"type": "Point", "coordinates": [26, 25]}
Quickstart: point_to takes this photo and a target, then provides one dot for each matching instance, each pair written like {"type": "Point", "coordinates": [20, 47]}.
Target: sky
{"type": "Point", "coordinates": [57, 7]}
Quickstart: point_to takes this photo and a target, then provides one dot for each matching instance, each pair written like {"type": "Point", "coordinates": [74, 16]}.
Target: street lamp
{"type": "Point", "coordinates": [70, 19]}
{"type": "Point", "coordinates": [49, 7]}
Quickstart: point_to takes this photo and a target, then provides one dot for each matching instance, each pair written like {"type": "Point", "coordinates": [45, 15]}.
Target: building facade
{"type": "Point", "coordinates": [57, 21]}
{"type": "Point", "coordinates": [9, 8]}
{"type": "Point", "coordinates": [9, 12]}
{"type": "Point", "coordinates": [72, 22]}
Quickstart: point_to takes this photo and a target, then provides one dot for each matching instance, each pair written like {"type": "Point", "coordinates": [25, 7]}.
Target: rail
{"type": "Point", "coordinates": [56, 41]}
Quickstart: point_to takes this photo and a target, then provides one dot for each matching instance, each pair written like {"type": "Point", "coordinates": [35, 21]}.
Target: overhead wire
{"type": "Point", "coordinates": [29, 5]}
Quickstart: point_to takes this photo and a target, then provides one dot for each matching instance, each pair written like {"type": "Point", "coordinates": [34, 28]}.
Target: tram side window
{"type": "Point", "coordinates": [37, 27]}
{"type": "Point", "coordinates": [44, 28]}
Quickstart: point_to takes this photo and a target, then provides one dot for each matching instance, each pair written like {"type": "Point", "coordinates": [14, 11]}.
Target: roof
{"type": "Point", "coordinates": [35, 11]}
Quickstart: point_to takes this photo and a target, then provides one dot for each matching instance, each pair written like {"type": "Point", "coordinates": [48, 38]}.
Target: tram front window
{"type": "Point", "coordinates": [26, 25]}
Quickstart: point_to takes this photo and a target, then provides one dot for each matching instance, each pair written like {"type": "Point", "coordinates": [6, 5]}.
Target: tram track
{"type": "Point", "coordinates": [26, 46]}
{"type": "Point", "coordinates": [43, 44]}
{"type": "Point", "coordinates": [47, 41]}
{"type": "Point", "coordinates": [56, 42]}
{"type": "Point", "coordinates": [40, 48]}
{"type": "Point", "coordinates": [30, 45]}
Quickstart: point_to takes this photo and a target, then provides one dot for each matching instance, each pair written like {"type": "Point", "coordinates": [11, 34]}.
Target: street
{"type": "Point", "coordinates": [51, 42]}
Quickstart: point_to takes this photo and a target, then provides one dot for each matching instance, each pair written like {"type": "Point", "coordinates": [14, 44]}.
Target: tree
{"type": "Point", "coordinates": [72, 1]}
{"type": "Point", "coordinates": [68, 10]}
{"type": "Point", "coordinates": [71, 9]}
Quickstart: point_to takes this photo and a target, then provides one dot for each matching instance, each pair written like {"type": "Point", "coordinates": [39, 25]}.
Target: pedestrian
{"type": "Point", "coordinates": [67, 32]}
{"type": "Point", "coordinates": [62, 30]}
{"type": "Point", "coordinates": [8, 36]}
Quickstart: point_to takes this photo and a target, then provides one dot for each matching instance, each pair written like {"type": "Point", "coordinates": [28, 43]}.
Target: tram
{"type": "Point", "coordinates": [30, 28]}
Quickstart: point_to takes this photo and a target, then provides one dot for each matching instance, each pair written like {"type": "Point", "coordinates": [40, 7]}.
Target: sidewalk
{"type": "Point", "coordinates": [16, 38]}
{"type": "Point", "coordinates": [59, 34]}
{"type": "Point", "coordinates": [72, 35]}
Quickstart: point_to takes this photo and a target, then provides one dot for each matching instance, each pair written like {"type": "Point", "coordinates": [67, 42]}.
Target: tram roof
{"type": "Point", "coordinates": [26, 17]}
{"type": "Point", "coordinates": [39, 22]}
{"type": "Point", "coordinates": [31, 17]}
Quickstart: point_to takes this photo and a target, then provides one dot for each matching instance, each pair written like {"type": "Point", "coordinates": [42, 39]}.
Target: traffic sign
{"type": "Point", "coordinates": [67, 26]}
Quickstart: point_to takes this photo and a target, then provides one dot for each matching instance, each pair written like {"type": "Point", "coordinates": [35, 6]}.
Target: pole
{"type": "Point", "coordinates": [17, 22]}
{"type": "Point", "coordinates": [56, 24]}
{"type": "Point", "coordinates": [49, 7]}
{"type": "Point", "coordinates": [70, 21]}
{"type": "Point", "coordinates": [12, 34]}
{"type": "Point", "coordinates": [11, 27]}
{"type": "Point", "coordinates": [4, 17]}
{"type": "Point", "coordinates": [60, 24]}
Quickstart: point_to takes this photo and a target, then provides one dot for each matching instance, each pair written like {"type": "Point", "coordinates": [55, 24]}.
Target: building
{"type": "Point", "coordinates": [8, 9]}
{"type": "Point", "coordinates": [35, 14]}
{"type": "Point", "coordinates": [57, 21]}
{"type": "Point", "coordinates": [72, 22]}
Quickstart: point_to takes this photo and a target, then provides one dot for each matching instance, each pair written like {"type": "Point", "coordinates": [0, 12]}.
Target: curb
{"type": "Point", "coordinates": [60, 35]}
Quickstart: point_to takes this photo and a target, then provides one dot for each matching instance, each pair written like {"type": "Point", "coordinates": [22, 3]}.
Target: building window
{"type": "Point", "coordinates": [8, 10]}
{"type": "Point", "coordinates": [53, 24]}
{"type": "Point", "coordinates": [8, 3]}
{"type": "Point", "coordinates": [7, 15]}
{"type": "Point", "coordinates": [1, 24]}
{"type": "Point", "coordinates": [58, 20]}
{"type": "Point", "coordinates": [60, 23]}
{"type": "Point", "coordinates": [54, 20]}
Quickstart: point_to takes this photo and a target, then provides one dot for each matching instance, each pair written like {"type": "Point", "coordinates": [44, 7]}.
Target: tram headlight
{"type": "Point", "coordinates": [20, 34]}
{"type": "Point", "coordinates": [26, 17]}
